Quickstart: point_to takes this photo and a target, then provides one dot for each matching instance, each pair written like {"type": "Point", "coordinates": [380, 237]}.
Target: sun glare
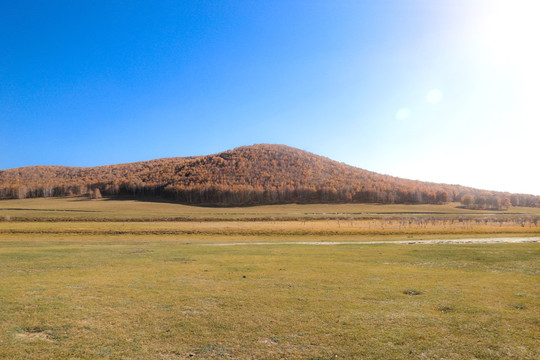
{"type": "Point", "coordinates": [506, 42]}
{"type": "Point", "coordinates": [434, 96]}
{"type": "Point", "coordinates": [510, 34]}
{"type": "Point", "coordinates": [511, 31]}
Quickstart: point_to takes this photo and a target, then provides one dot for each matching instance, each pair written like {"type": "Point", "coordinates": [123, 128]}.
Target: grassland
{"type": "Point", "coordinates": [82, 209]}
{"type": "Point", "coordinates": [354, 222]}
{"type": "Point", "coordinates": [126, 284]}
{"type": "Point", "coordinates": [161, 299]}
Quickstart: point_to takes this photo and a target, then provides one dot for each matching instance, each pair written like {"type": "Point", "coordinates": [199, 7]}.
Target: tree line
{"type": "Point", "coordinates": [251, 175]}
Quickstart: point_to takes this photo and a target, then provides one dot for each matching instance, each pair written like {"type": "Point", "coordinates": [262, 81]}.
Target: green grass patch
{"type": "Point", "coordinates": [148, 297]}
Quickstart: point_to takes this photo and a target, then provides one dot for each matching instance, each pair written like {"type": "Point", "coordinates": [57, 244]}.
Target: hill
{"type": "Point", "coordinates": [249, 175]}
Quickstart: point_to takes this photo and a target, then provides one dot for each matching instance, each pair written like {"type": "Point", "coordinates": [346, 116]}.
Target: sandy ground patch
{"type": "Point", "coordinates": [401, 242]}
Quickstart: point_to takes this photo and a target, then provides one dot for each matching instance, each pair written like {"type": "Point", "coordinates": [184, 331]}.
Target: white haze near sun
{"type": "Point", "coordinates": [483, 129]}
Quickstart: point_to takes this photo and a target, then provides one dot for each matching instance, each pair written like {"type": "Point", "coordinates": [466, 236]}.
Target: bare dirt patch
{"type": "Point", "coordinates": [404, 242]}
{"type": "Point", "coordinates": [34, 335]}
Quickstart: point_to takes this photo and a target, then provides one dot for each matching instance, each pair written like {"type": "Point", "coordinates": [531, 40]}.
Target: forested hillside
{"type": "Point", "coordinates": [258, 174]}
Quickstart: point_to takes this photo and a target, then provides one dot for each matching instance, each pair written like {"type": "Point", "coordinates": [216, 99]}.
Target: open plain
{"type": "Point", "coordinates": [85, 279]}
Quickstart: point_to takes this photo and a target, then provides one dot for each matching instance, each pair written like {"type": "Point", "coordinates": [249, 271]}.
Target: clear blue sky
{"type": "Point", "coordinates": [443, 91]}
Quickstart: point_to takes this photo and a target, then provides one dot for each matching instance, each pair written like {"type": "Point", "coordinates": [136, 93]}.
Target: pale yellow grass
{"type": "Point", "coordinates": [84, 209]}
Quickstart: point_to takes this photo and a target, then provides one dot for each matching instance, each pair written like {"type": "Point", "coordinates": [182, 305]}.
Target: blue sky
{"type": "Point", "coordinates": [442, 91]}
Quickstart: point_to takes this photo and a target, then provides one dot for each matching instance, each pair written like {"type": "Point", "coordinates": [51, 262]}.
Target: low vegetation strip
{"type": "Point", "coordinates": [253, 233]}
{"type": "Point", "coordinates": [329, 227]}
{"type": "Point", "coordinates": [410, 219]}
{"type": "Point", "coordinates": [272, 231]}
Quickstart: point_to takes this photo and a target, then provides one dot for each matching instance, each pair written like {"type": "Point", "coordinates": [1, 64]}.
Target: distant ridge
{"type": "Point", "coordinates": [247, 175]}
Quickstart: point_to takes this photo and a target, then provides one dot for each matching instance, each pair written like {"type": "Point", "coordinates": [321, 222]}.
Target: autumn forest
{"type": "Point", "coordinates": [249, 175]}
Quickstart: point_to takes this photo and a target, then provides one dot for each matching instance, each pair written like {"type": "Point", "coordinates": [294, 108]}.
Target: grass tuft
{"type": "Point", "coordinates": [412, 292]}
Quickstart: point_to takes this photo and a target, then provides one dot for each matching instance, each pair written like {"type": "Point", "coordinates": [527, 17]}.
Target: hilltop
{"type": "Point", "coordinates": [248, 175]}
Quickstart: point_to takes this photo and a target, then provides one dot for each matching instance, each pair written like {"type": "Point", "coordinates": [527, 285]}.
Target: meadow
{"type": "Point", "coordinates": [82, 209]}
{"type": "Point", "coordinates": [107, 279]}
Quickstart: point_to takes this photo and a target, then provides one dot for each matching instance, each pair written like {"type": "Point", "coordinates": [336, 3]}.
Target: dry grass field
{"type": "Point", "coordinates": [122, 288]}
{"type": "Point", "coordinates": [82, 209]}
{"type": "Point", "coordinates": [79, 216]}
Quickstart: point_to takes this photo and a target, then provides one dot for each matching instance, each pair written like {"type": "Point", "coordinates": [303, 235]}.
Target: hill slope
{"type": "Point", "coordinates": [258, 174]}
